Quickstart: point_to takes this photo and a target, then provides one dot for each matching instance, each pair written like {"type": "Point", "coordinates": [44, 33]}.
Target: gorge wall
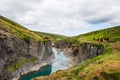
{"type": "Point", "coordinates": [13, 49]}
{"type": "Point", "coordinates": [80, 52]}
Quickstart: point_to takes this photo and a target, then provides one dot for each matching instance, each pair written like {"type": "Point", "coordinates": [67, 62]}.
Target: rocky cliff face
{"type": "Point", "coordinates": [13, 49]}
{"type": "Point", "coordinates": [82, 52]}
{"type": "Point", "coordinates": [86, 51]}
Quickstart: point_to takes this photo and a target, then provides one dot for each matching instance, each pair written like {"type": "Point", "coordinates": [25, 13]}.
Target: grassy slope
{"type": "Point", "coordinates": [15, 28]}
{"type": "Point", "coordinates": [20, 63]}
{"type": "Point", "coordinates": [54, 37]}
{"type": "Point", "coordinates": [102, 67]}
{"type": "Point", "coordinates": [113, 33]}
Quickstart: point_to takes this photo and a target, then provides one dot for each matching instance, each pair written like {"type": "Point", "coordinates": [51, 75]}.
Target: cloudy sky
{"type": "Point", "coordinates": [68, 17]}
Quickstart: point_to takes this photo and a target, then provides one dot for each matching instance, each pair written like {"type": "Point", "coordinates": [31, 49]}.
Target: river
{"type": "Point", "coordinates": [60, 63]}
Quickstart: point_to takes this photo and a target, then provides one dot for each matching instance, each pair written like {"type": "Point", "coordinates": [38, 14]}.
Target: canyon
{"type": "Point", "coordinates": [23, 51]}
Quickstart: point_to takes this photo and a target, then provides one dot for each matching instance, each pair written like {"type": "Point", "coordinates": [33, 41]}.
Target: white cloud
{"type": "Point", "coordinates": [68, 17]}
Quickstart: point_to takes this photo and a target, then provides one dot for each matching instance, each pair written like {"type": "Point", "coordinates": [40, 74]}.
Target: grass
{"type": "Point", "coordinates": [20, 63]}
{"type": "Point", "coordinates": [22, 32]}
{"type": "Point", "coordinates": [112, 33]}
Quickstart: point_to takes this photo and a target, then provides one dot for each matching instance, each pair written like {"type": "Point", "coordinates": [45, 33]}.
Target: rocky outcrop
{"type": "Point", "coordinates": [82, 52]}
{"type": "Point", "coordinates": [63, 44]}
{"type": "Point", "coordinates": [86, 51]}
{"type": "Point", "coordinates": [13, 49]}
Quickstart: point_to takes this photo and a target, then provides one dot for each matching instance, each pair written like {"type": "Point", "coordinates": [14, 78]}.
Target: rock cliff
{"type": "Point", "coordinates": [13, 49]}
{"type": "Point", "coordinates": [81, 52]}
{"type": "Point", "coordinates": [21, 50]}
{"type": "Point", "coordinates": [86, 51]}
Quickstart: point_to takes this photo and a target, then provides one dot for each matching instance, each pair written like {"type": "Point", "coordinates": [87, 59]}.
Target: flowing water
{"type": "Point", "coordinates": [60, 63]}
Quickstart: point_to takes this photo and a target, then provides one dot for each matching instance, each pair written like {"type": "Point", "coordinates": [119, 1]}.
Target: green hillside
{"type": "Point", "coordinates": [102, 67]}
{"type": "Point", "coordinates": [15, 28]}
{"type": "Point", "coordinates": [112, 33]}
{"type": "Point", "coordinates": [54, 37]}
{"type": "Point", "coordinates": [24, 33]}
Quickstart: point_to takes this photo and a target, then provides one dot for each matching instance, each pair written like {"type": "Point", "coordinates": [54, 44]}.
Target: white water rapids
{"type": "Point", "coordinates": [60, 62]}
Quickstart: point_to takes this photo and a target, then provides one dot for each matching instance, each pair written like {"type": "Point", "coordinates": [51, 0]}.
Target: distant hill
{"type": "Point", "coordinates": [54, 37]}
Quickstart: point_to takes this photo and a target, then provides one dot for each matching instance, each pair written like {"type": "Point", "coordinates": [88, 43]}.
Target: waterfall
{"type": "Point", "coordinates": [55, 52]}
{"type": "Point", "coordinates": [60, 62]}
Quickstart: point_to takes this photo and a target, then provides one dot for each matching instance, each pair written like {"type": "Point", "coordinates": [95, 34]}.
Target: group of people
{"type": "Point", "coordinates": [106, 39]}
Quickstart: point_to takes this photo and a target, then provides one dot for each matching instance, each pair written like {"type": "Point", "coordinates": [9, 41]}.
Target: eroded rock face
{"type": "Point", "coordinates": [63, 44]}
{"type": "Point", "coordinates": [13, 48]}
{"type": "Point", "coordinates": [86, 51]}
{"type": "Point", "coordinates": [81, 52]}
